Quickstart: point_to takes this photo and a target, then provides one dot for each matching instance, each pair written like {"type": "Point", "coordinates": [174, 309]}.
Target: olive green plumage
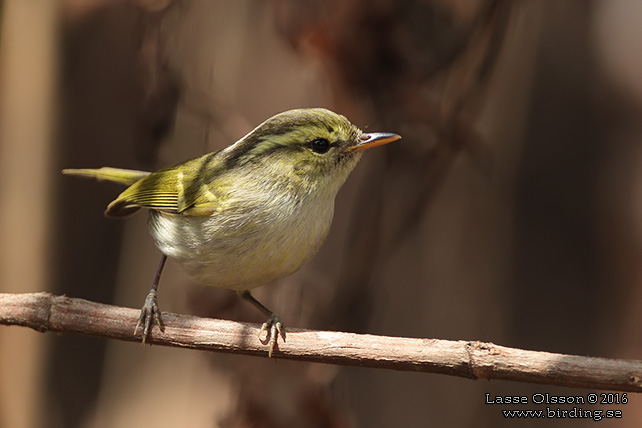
{"type": "Point", "coordinates": [280, 146]}
{"type": "Point", "coordinates": [255, 211]}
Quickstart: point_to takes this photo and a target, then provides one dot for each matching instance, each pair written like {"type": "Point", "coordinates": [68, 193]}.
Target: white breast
{"type": "Point", "coordinates": [245, 248]}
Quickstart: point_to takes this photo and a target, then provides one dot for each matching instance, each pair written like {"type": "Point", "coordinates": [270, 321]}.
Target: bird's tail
{"type": "Point", "coordinates": [116, 175]}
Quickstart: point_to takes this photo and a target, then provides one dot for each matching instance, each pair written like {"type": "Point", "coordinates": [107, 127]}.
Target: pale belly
{"type": "Point", "coordinates": [241, 252]}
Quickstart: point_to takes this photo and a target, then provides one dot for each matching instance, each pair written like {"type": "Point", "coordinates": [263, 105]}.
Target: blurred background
{"type": "Point", "coordinates": [510, 212]}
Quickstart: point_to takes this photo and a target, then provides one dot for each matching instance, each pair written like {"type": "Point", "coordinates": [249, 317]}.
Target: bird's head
{"type": "Point", "coordinates": [315, 146]}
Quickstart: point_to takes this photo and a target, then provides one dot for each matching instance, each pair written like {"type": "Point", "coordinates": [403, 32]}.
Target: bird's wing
{"type": "Point", "coordinates": [178, 189]}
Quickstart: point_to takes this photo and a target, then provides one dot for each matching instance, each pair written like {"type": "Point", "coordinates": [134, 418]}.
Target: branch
{"type": "Point", "coordinates": [470, 359]}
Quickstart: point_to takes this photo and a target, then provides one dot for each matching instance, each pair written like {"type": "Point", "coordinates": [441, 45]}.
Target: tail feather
{"type": "Point", "coordinates": [116, 175]}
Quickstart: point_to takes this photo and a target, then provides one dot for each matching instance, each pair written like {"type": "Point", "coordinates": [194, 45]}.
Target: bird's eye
{"type": "Point", "coordinates": [320, 145]}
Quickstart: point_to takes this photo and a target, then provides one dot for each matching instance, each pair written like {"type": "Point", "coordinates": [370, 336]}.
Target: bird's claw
{"type": "Point", "coordinates": [273, 328]}
{"type": "Point", "coordinates": [148, 314]}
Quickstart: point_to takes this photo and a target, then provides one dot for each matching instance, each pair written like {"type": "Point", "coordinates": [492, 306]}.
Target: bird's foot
{"type": "Point", "coordinates": [273, 328]}
{"type": "Point", "coordinates": [149, 314]}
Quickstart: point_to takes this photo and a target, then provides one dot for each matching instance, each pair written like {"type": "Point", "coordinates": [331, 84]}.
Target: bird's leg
{"type": "Point", "coordinates": [150, 312]}
{"type": "Point", "coordinates": [273, 326]}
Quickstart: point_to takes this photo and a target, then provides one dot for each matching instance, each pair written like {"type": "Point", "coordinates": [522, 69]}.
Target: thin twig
{"type": "Point", "coordinates": [470, 359]}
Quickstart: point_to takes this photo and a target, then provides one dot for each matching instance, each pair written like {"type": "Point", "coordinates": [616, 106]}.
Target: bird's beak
{"type": "Point", "coordinates": [375, 139]}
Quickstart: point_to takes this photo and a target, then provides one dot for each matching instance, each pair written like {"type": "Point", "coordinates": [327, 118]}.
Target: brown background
{"type": "Point", "coordinates": [510, 212]}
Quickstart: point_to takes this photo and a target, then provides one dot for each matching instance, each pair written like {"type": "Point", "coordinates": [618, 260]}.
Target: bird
{"type": "Point", "coordinates": [249, 214]}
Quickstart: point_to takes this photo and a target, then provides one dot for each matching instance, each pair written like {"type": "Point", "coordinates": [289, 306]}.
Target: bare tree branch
{"type": "Point", "coordinates": [470, 359]}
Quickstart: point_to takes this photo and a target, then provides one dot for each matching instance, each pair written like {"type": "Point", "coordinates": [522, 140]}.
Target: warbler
{"type": "Point", "coordinates": [249, 214]}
